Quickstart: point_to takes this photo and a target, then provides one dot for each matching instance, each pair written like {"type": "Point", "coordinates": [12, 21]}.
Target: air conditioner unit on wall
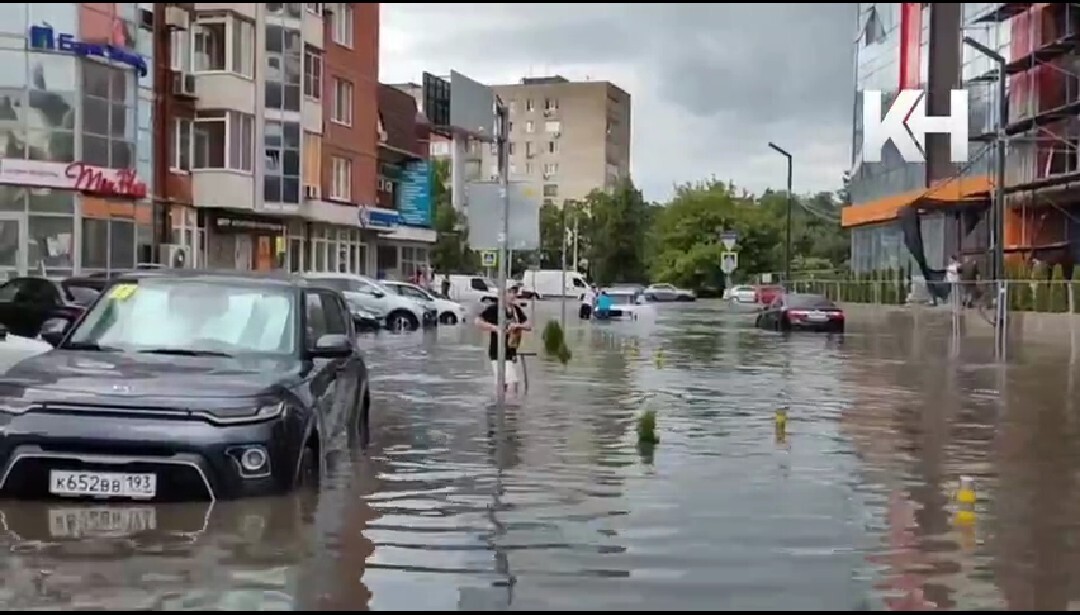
{"type": "Point", "coordinates": [184, 84]}
{"type": "Point", "coordinates": [177, 18]}
{"type": "Point", "coordinates": [176, 256]}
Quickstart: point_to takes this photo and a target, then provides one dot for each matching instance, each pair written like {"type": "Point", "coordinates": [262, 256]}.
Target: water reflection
{"type": "Point", "coordinates": [552, 504]}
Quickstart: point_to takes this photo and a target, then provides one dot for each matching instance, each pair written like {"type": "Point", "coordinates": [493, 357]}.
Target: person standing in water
{"type": "Point", "coordinates": [516, 324]}
{"type": "Point", "coordinates": [587, 302]}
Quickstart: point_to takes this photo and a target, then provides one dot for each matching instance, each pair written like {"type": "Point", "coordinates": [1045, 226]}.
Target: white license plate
{"type": "Point", "coordinates": [102, 484]}
{"type": "Point", "coordinates": [817, 316]}
{"type": "Point", "coordinates": [101, 521]}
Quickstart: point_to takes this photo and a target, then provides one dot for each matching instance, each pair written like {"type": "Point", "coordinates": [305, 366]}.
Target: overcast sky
{"type": "Point", "coordinates": [711, 84]}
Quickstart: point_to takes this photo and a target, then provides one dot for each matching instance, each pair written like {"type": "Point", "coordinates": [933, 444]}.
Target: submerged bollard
{"type": "Point", "coordinates": [965, 501]}
{"type": "Point", "coordinates": [780, 425]}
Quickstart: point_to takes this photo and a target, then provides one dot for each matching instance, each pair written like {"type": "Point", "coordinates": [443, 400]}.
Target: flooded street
{"type": "Point", "coordinates": [552, 505]}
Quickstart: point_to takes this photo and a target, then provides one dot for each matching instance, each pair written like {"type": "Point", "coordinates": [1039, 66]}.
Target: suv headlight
{"type": "Point", "coordinates": [246, 414]}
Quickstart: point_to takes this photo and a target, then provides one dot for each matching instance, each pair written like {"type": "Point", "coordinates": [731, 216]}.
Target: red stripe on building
{"type": "Point", "coordinates": [910, 45]}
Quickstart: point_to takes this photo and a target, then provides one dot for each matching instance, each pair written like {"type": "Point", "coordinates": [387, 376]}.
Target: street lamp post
{"type": "Point", "coordinates": [787, 231]}
{"type": "Point", "coordinates": [997, 212]}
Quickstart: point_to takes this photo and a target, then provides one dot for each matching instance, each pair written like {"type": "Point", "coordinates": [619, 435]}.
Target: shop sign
{"type": "Point", "coordinates": [88, 178]}
{"type": "Point", "coordinates": [46, 39]}
{"type": "Point", "coordinates": [246, 225]}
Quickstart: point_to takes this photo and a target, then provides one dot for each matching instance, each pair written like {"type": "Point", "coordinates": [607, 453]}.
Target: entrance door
{"type": "Point", "coordinates": [12, 245]}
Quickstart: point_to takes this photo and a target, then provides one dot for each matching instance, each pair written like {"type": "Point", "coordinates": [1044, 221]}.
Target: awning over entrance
{"type": "Point", "coordinates": [951, 192]}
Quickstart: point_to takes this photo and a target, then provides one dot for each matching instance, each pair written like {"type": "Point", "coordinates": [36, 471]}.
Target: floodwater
{"type": "Point", "coordinates": [551, 504]}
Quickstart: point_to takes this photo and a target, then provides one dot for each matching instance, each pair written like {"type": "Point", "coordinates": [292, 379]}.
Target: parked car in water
{"type": "Point", "coordinates": [179, 385]}
{"type": "Point", "coordinates": [448, 312]}
{"type": "Point", "coordinates": [470, 289]}
{"type": "Point", "coordinates": [365, 319]}
{"type": "Point", "coordinates": [667, 293]}
{"type": "Point", "coordinates": [741, 294]}
{"type": "Point", "coordinates": [766, 293]}
{"type": "Point", "coordinates": [399, 313]}
{"type": "Point", "coordinates": [627, 304]}
{"type": "Point", "coordinates": [798, 311]}
{"type": "Point", "coordinates": [26, 303]}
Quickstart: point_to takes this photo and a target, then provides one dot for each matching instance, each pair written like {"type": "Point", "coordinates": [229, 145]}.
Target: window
{"type": "Point", "coordinates": [224, 140]}
{"type": "Point", "coordinates": [341, 107]}
{"type": "Point", "coordinates": [181, 151]}
{"type": "Point", "coordinates": [530, 126]}
{"type": "Point", "coordinates": [315, 8]}
{"type": "Point", "coordinates": [551, 104]}
{"type": "Point", "coordinates": [312, 73]}
{"type": "Point", "coordinates": [342, 22]}
{"type": "Point", "coordinates": [512, 106]}
{"type": "Point", "coordinates": [552, 126]}
{"type": "Point", "coordinates": [551, 170]}
{"type": "Point", "coordinates": [180, 51]}
{"type": "Point", "coordinates": [281, 163]}
{"type": "Point", "coordinates": [530, 149]}
{"type": "Point", "coordinates": [341, 180]}
{"type": "Point", "coordinates": [225, 44]}
{"type": "Point", "coordinates": [553, 147]}
{"type": "Point", "coordinates": [509, 149]}
{"type": "Point", "coordinates": [551, 191]}
{"type": "Point", "coordinates": [529, 105]}
{"type": "Point", "coordinates": [528, 168]}
{"type": "Point", "coordinates": [109, 126]}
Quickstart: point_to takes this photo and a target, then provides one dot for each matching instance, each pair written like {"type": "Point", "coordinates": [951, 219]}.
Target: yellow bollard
{"type": "Point", "coordinates": [965, 501]}
{"type": "Point", "coordinates": [780, 424]}
{"type": "Point", "coordinates": [659, 358]}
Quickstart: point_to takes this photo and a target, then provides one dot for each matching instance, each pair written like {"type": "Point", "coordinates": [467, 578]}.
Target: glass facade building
{"type": "Point", "coordinates": [59, 107]}
{"type": "Point", "coordinates": [893, 52]}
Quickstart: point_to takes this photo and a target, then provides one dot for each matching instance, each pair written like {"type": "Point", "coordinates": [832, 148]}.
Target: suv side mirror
{"type": "Point", "coordinates": [53, 330]}
{"type": "Point", "coordinates": [332, 346]}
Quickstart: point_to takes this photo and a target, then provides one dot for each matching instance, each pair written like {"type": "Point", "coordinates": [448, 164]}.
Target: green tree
{"type": "Point", "coordinates": [616, 225]}
{"type": "Point", "coordinates": [451, 253]}
{"type": "Point", "coordinates": [686, 248]}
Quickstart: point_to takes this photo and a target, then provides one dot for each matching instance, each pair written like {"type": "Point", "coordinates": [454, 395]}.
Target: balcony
{"type": "Point", "coordinates": [223, 188]}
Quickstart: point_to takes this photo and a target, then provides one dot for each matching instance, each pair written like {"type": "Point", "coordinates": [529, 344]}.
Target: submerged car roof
{"type": "Point", "coordinates": [222, 276]}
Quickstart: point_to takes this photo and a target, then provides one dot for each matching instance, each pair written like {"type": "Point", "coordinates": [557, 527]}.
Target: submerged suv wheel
{"type": "Point", "coordinates": [401, 321]}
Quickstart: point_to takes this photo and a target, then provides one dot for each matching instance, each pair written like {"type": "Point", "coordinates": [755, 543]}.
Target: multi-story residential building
{"type": "Point", "coordinates": [919, 46]}
{"type": "Point", "coordinates": [404, 178]}
{"type": "Point", "coordinates": [280, 153]}
{"type": "Point", "coordinates": [569, 137]}
{"type": "Point", "coordinates": [75, 120]}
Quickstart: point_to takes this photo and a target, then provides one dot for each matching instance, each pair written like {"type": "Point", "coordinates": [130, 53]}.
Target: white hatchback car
{"type": "Point", "coordinates": [450, 312]}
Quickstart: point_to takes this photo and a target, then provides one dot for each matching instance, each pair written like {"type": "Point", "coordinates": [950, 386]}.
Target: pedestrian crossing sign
{"type": "Point", "coordinates": [488, 258]}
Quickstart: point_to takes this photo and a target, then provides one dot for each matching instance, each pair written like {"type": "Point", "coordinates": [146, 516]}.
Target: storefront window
{"type": "Point", "coordinates": [50, 239]}
{"type": "Point", "coordinates": [386, 260]}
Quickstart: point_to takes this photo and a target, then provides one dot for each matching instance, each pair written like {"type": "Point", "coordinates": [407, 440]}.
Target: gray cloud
{"type": "Point", "coordinates": [711, 84]}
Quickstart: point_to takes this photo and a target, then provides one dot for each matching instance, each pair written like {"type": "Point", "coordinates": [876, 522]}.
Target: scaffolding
{"type": "Point", "coordinates": [1042, 162]}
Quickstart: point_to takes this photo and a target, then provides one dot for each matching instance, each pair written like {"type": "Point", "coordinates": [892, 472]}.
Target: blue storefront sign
{"type": "Point", "coordinates": [371, 217]}
{"type": "Point", "coordinates": [44, 38]}
{"type": "Point", "coordinates": [415, 201]}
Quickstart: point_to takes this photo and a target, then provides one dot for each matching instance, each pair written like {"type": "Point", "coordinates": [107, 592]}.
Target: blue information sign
{"type": "Point", "coordinates": [415, 196]}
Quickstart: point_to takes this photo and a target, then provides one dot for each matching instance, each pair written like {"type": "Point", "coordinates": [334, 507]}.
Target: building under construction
{"type": "Point", "coordinates": [914, 215]}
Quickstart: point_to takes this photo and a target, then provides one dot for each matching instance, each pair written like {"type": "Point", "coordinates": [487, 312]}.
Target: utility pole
{"type": "Point", "coordinates": [562, 277]}
{"type": "Point", "coordinates": [574, 259]}
{"type": "Point", "coordinates": [787, 231]}
{"type": "Point", "coordinates": [501, 124]}
{"type": "Point", "coordinates": [997, 211]}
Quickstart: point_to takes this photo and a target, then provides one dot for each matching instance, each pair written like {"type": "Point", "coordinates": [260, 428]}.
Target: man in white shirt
{"type": "Point", "coordinates": [588, 301]}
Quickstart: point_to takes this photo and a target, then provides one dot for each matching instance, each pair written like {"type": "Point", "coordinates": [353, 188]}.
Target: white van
{"type": "Point", "coordinates": [548, 283]}
{"type": "Point", "coordinates": [468, 290]}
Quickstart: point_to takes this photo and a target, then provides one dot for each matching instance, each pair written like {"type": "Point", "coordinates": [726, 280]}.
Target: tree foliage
{"type": "Point", "coordinates": [451, 253]}
{"type": "Point", "coordinates": [618, 224]}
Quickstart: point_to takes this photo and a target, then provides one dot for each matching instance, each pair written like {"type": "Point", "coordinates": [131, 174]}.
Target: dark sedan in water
{"type": "Point", "coordinates": [185, 385]}
{"type": "Point", "coordinates": [797, 311]}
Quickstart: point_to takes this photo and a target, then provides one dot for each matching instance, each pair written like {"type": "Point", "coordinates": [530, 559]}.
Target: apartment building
{"type": "Point", "coordinates": [919, 46]}
{"type": "Point", "coordinates": [568, 137]}
{"type": "Point", "coordinates": [226, 135]}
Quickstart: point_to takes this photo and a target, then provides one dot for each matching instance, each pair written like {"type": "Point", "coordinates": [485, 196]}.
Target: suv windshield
{"type": "Point", "coordinates": [190, 317]}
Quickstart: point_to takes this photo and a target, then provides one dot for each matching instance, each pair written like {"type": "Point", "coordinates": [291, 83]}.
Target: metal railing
{"type": "Point", "coordinates": [1043, 296]}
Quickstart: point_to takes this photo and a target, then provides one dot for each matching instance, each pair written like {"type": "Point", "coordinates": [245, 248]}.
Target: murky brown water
{"type": "Point", "coordinates": [551, 505]}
